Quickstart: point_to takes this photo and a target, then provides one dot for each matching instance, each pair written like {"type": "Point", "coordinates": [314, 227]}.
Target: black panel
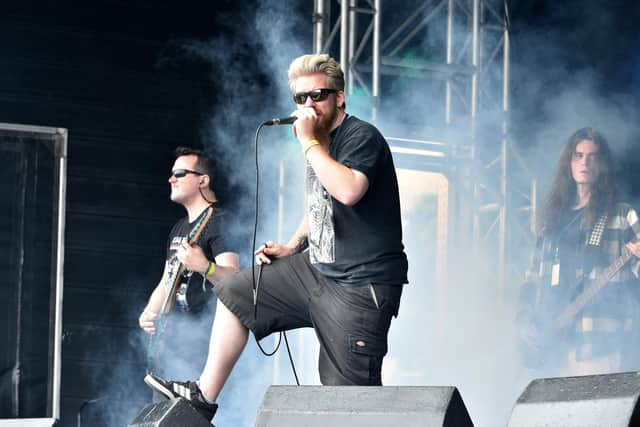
{"type": "Point", "coordinates": [26, 280]}
{"type": "Point", "coordinates": [10, 211]}
{"type": "Point", "coordinates": [111, 72]}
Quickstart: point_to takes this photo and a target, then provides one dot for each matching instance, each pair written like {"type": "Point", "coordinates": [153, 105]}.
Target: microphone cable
{"type": "Point", "coordinates": [256, 283]}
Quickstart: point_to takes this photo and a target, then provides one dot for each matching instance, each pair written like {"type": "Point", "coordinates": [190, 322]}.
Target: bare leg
{"type": "Point", "coordinates": [228, 339]}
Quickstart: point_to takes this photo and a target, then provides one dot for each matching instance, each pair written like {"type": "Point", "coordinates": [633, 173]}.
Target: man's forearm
{"type": "Point", "coordinates": [224, 265]}
{"type": "Point", "coordinates": [302, 243]}
{"type": "Point", "coordinates": [299, 242]}
{"type": "Point", "coordinates": [156, 300]}
{"type": "Point", "coordinates": [346, 185]}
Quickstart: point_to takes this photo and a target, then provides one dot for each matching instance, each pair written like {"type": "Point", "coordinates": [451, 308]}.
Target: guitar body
{"type": "Point", "coordinates": [544, 344]}
{"type": "Point", "coordinates": [156, 343]}
{"type": "Point", "coordinates": [551, 333]}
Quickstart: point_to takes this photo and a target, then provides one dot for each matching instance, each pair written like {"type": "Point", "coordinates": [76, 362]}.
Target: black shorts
{"type": "Point", "coordinates": [351, 323]}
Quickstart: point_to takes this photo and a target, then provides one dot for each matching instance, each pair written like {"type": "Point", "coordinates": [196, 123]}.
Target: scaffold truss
{"type": "Point", "coordinates": [463, 47]}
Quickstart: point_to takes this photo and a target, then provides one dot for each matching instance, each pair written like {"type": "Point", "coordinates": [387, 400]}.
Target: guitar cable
{"type": "Point", "coordinates": [256, 283]}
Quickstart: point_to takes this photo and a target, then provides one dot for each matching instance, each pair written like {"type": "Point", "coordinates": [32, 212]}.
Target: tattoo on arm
{"type": "Point", "coordinates": [303, 243]}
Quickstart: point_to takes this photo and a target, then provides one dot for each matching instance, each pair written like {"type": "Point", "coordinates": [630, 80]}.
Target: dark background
{"type": "Point", "coordinates": [557, 43]}
{"type": "Point", "coordinates": [98, 69]}
{"type": "Point", "coordinates": [114, 74]}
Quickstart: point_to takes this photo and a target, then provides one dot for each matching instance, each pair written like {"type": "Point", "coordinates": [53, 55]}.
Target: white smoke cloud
{"type": "Point", "coordinates": [457, 331]}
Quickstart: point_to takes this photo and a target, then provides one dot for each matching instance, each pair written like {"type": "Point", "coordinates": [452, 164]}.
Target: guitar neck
{"type": "Point", "coordinates": [168, 299]}
{"type": "Point", "coordinates": [198, 229]}
{"type": "Point", "coordinates": [578, 304]}
{"type": "Point", "coordinates": [192, 238]}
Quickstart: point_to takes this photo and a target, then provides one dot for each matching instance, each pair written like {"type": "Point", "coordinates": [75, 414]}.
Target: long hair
{"type": "Point", "coordinates": [563, 188]}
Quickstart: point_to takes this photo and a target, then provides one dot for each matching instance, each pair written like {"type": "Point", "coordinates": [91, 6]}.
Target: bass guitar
{"type": "Point", "coordinates": [551, 334]}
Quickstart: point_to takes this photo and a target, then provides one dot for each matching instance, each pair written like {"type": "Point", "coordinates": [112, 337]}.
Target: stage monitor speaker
{"type": "Point", "coordinates": [169, 413]}
{"type": "Point", "coordinates": [594, 400]}
{"type": "Point", "coordinates": [355, 406]}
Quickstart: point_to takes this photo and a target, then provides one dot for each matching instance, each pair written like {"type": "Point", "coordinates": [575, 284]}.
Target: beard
{"type": "Point", "coordinates": [328, 118]}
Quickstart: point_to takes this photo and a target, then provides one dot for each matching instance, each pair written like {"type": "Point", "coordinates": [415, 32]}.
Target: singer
{"type": "Point", "coordinates": [342, 272]}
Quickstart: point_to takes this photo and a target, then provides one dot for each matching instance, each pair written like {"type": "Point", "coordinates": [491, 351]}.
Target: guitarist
{"type": "Point", "coordinates": [184, 340]}
{"type": "Point", "coordinates": [583, 229]}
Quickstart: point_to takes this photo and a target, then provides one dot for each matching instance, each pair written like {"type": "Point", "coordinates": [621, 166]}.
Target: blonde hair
{"type": "Point", "coordinates": [316, 64]}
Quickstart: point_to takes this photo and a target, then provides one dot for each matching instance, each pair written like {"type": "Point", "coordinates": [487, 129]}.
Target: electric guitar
{"type": "Point", "coordinates": [551, 334]}
{"type": "Point", "coordinates": [174, 272]}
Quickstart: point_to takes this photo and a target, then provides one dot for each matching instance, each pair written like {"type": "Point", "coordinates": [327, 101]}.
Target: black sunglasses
{"type": "Point", "coordinates": [181, 173]}
{"type": "Point", "coordinates": [316, 95]}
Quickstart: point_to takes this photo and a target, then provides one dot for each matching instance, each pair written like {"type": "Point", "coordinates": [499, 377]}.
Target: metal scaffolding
{"type": "Point", "coordinates": [473, 67]}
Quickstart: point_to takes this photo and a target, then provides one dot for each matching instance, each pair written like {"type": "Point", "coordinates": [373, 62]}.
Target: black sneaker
{"type": "Point", "coordinates": [188, 390]}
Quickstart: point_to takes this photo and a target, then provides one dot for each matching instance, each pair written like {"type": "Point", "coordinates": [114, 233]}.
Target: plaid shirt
{"type": "Point", "coordinates": [606, 324]}
{"type": "Point", "coordinates": [622, 227]}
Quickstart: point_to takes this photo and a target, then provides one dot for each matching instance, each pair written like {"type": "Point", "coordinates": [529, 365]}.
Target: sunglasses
{"type": "Point", "coordinates": [316, 95]}
{"type": "Point", "coordinates": [181, 173]}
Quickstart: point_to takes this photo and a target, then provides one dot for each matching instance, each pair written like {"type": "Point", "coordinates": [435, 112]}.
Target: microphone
{"type": "Point", "coordinates": [280, 121]}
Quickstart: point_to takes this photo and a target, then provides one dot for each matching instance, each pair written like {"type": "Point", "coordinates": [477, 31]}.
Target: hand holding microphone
{"type": "Point", "coordinates": [304, 129]}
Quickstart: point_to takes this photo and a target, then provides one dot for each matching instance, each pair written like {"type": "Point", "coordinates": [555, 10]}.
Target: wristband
{"type": "Point", "coordinates": [210, 269]}
{"type": "Point", "coordinates": [307, 145]}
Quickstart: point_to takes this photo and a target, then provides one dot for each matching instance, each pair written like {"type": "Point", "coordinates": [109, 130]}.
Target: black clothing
{"type": "Point", "coordinates": [360, 244]}
{"type": "Point", "coordinates": [213, 242]}
{"type": "Point", "coordinates": [568, 248]}
{"type": "Point", "coordinates": [186, 336]}
{"type": "Point", "coordinates": [350, 324]}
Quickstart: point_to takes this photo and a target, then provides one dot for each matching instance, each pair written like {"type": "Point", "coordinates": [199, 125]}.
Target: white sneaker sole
{"type": "Point", "coordinates": [157, 386]}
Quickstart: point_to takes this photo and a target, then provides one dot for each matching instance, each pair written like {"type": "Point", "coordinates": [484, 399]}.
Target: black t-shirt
{"type": "Point", "coordinates": [360, 244]}
{"type": "Point", "coordinates": [570, 246]}
{"type": "Point", "coordinates": [568, 259]}
{"type": "Point", "coordinates": [196, 291]}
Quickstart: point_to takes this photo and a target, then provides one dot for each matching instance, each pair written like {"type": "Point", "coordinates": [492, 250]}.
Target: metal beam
{"type": "Point", "coordinates": [475, 75]}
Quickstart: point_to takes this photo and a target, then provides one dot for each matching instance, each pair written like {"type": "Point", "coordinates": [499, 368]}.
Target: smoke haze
{"type": "Point", "coordinates": [455, 326]}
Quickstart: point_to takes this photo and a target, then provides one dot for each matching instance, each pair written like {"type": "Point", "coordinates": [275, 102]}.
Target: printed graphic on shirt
{"type": "Point", "coordinates": [176, 242]}
{"type": "Point", "coordinates": [173, 263]}
{"type": "Point", "coordinates": [321, 230]}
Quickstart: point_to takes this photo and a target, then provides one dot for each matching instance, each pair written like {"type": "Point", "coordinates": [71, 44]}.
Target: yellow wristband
{"type": "Point", "coordinates": [211, 269]}
{"type": "Point", "coordinates": [307, 145]}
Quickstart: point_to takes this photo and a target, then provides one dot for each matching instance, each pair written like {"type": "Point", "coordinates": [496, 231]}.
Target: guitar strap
{"type": "Point", "coordinates": [592, 249]}
{"type": "Point", "coordinates": [598, 230]}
